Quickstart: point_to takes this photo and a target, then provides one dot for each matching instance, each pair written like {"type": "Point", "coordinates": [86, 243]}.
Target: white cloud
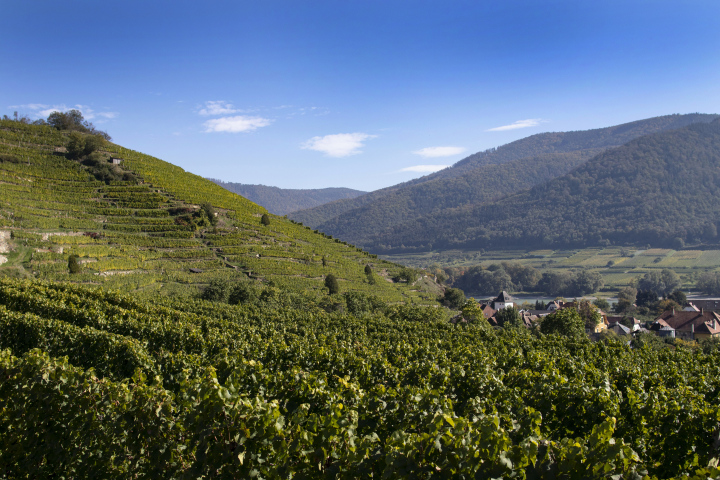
{"type": "Point", "coordinates": [236, 124]}
{"type": "Point", "coordinates": [40, 110]}
{"type": "Point", "coordinates": [431, 152]}
{"type": "Point", "coordinates": [338, 145]}
{"type": "Point", "coordinates": [530, 122]}
{"type": "Point", "coordinates": [424, 168]}
{"type": "Point", "coordinates": [219, 107]}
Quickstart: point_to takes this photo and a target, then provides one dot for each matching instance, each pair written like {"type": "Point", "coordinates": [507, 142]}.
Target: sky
{"type": "Point", "coordinates": [352, 93]}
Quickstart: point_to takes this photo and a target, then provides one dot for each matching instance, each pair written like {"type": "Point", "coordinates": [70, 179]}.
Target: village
{"type": "Point", "coordinates": [698, 320]}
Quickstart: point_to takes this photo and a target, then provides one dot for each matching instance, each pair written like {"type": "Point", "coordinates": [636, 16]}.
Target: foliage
{"type": "Point", "coordinates": [360, 303]}
{"type": "Point", "coordinates": [331, 283]}
{"type": "Point", "coordinates": [661, 283]}
{"type": "Point", "coordinates": [406, 274]}
{"type": "Point", "coordinates": [73, 120]}
{"type": "Point", "coordinates": [453, 298]}
{"type": "Point", "coordinates": [74, 264]}
{"type": "Point", "coordinates": [574, 284]}
{"type": "Point", "coordinates": [148, 230]}
{"type": "Point", "coordinates": [709, 282]}
{"type": "Point", "coordinates": [508, 276]}
{"type": "Point", "coordinates": [612, 198]}
{"type": "Point", "coordinates": [441, 210]}
{"type": "Point", "coordinates": [679, 297]}
{"type": "Point", "coordinates": [566, 322]}
{"type": "Point", "coordinates": [602, 304]}
{"type": "Point", "coordinates": [509, 317]}
{"type": "Point", "coordinates": [646, 298]}
{"type": "Point", "coordinates": [589, 314]}
{"type": "Point", "coordinates": [304, 393]}
{"type": "Point", "coordinates": [627, 297]}
{"type": "Point", "coordinates": [265, 219]}
{"type": "Point", "coordinates": [472, 312]}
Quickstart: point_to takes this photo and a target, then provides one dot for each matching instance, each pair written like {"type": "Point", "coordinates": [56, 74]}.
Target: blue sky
{"type": "Point", "coordinates": [354, 93]}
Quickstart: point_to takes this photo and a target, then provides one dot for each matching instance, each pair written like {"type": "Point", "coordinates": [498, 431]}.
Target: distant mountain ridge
{"type": "Point", "coordinates": [482, 177]}
{"type": "Point", "coordinates": [661, 189]}
{"type": "Point", "coordinates": [282, 201]}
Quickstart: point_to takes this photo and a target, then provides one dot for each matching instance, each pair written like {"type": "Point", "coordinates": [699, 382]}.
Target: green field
{"type": "Point", "coordinates": [617, 270]}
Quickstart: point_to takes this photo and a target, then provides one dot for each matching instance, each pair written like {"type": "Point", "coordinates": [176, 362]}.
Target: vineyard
{"type": "Point", "coordinates": [99, 384]}
{"type": "Point", "coordinates": [150, 234]}
{"type": "Point", "coordinates": [111, 366]}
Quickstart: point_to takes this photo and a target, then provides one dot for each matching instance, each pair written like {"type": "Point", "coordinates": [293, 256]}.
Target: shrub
{"type": "Point", "coordinates": [74, 265]}
{"type": "Point", "coordinates": [453, 298]}
{"type": "Point", "coordinates": [566, 322]}
{"type": "Point", "coordinates": [332, 284]}
{"type": "Point", "coordinates": [265, 219]}
{"type": "Point", "coordinates": [210, 212]}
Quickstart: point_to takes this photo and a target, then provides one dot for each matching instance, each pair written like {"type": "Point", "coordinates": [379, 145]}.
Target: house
{"type": "Point", "coordinates": [552, 306]}
{"type": "Point", "coordinates": [619, 329]}
{"type": "Point", "coordinates": [709, 304]}
{"type": "Point", "coordinates": [662, 329]}
{"type": "Point", "coordinates": [692, 325]}
{"type": "Point", "coordinates": [487, 310]}
{"type": "Point", "coordinates": [691, 308]}
{"type": "Point", "coordinates": [617, 319]}
{"type": "Point", "coordinates": [195, 270]}
{"type": "Point", "coordinates": [115, 161]}
{"type": "Point", "coordinates": [502, 301]}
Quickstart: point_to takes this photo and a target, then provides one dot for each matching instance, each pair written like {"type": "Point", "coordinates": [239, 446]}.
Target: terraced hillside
{"type": "Point", "coordinates": [153, 232]}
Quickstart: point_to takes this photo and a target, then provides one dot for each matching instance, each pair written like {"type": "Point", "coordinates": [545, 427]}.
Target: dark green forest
{"type": "Point", "coordinates": [479, 178]}
{"type": "Point", "coordinates": [660, 190]}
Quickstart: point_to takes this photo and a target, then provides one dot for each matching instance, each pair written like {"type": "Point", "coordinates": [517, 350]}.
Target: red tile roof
{"type": "Point", "coordinates": [700, 322]}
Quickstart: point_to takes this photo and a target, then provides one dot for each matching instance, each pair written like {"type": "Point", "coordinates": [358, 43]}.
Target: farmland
{"type": "Point", "coordinates": [617, 265]}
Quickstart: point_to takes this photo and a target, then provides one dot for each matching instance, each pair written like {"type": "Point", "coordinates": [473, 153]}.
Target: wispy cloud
{"type": "Point", "coordinates": [236, 124]}
{"type": "Point", "coordinates": [41, 110]}
{"type": "Point", "coordinates": [530, 122]}
{"type": "Point", "coordinates": [432, 152]}
{"type": "Point", "coordinates": [220, 107]}
{"type": "Point", "coordinates": [338, 145]}
{"type": "Point", "coordinates": [424, 168]}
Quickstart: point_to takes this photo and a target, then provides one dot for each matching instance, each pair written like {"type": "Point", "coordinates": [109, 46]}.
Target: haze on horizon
{"type": "Point", "coordinates": [358, 94]}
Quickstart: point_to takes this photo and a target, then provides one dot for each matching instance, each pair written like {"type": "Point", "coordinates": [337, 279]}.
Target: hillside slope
{"type": "Point", "coordinates": [482, 177]}
{"type": "Point", "coordinates": [661, 189]}
{"type": "Point", "coordinates": [149, 233]}
{"type": "Point", "coordinates": [281, 201]}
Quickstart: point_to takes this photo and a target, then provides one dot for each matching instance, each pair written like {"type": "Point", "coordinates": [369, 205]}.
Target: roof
{"type": "Point", "coordinates": [699, 322]}
{"type": "Point", "coordinates": [660, 324]}
{"type": "Point", "coordinates": [487, 310]}
{"type": "Point", "coordinates": [619, 328]}
{"type": "Point", "coordinates": [618, 318]}
{"type": "Point", "coordinates": [195, 270]}
{"type": "Point", "coordinates": [504, 297]}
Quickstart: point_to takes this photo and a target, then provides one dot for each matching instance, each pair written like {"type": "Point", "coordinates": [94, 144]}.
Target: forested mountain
{"type": "Point", "coordinates": [661, 189]}
{"type": "Point", "coordinates": [281, 201]}
{"type": "Point", "coordinates": [482, 177]}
